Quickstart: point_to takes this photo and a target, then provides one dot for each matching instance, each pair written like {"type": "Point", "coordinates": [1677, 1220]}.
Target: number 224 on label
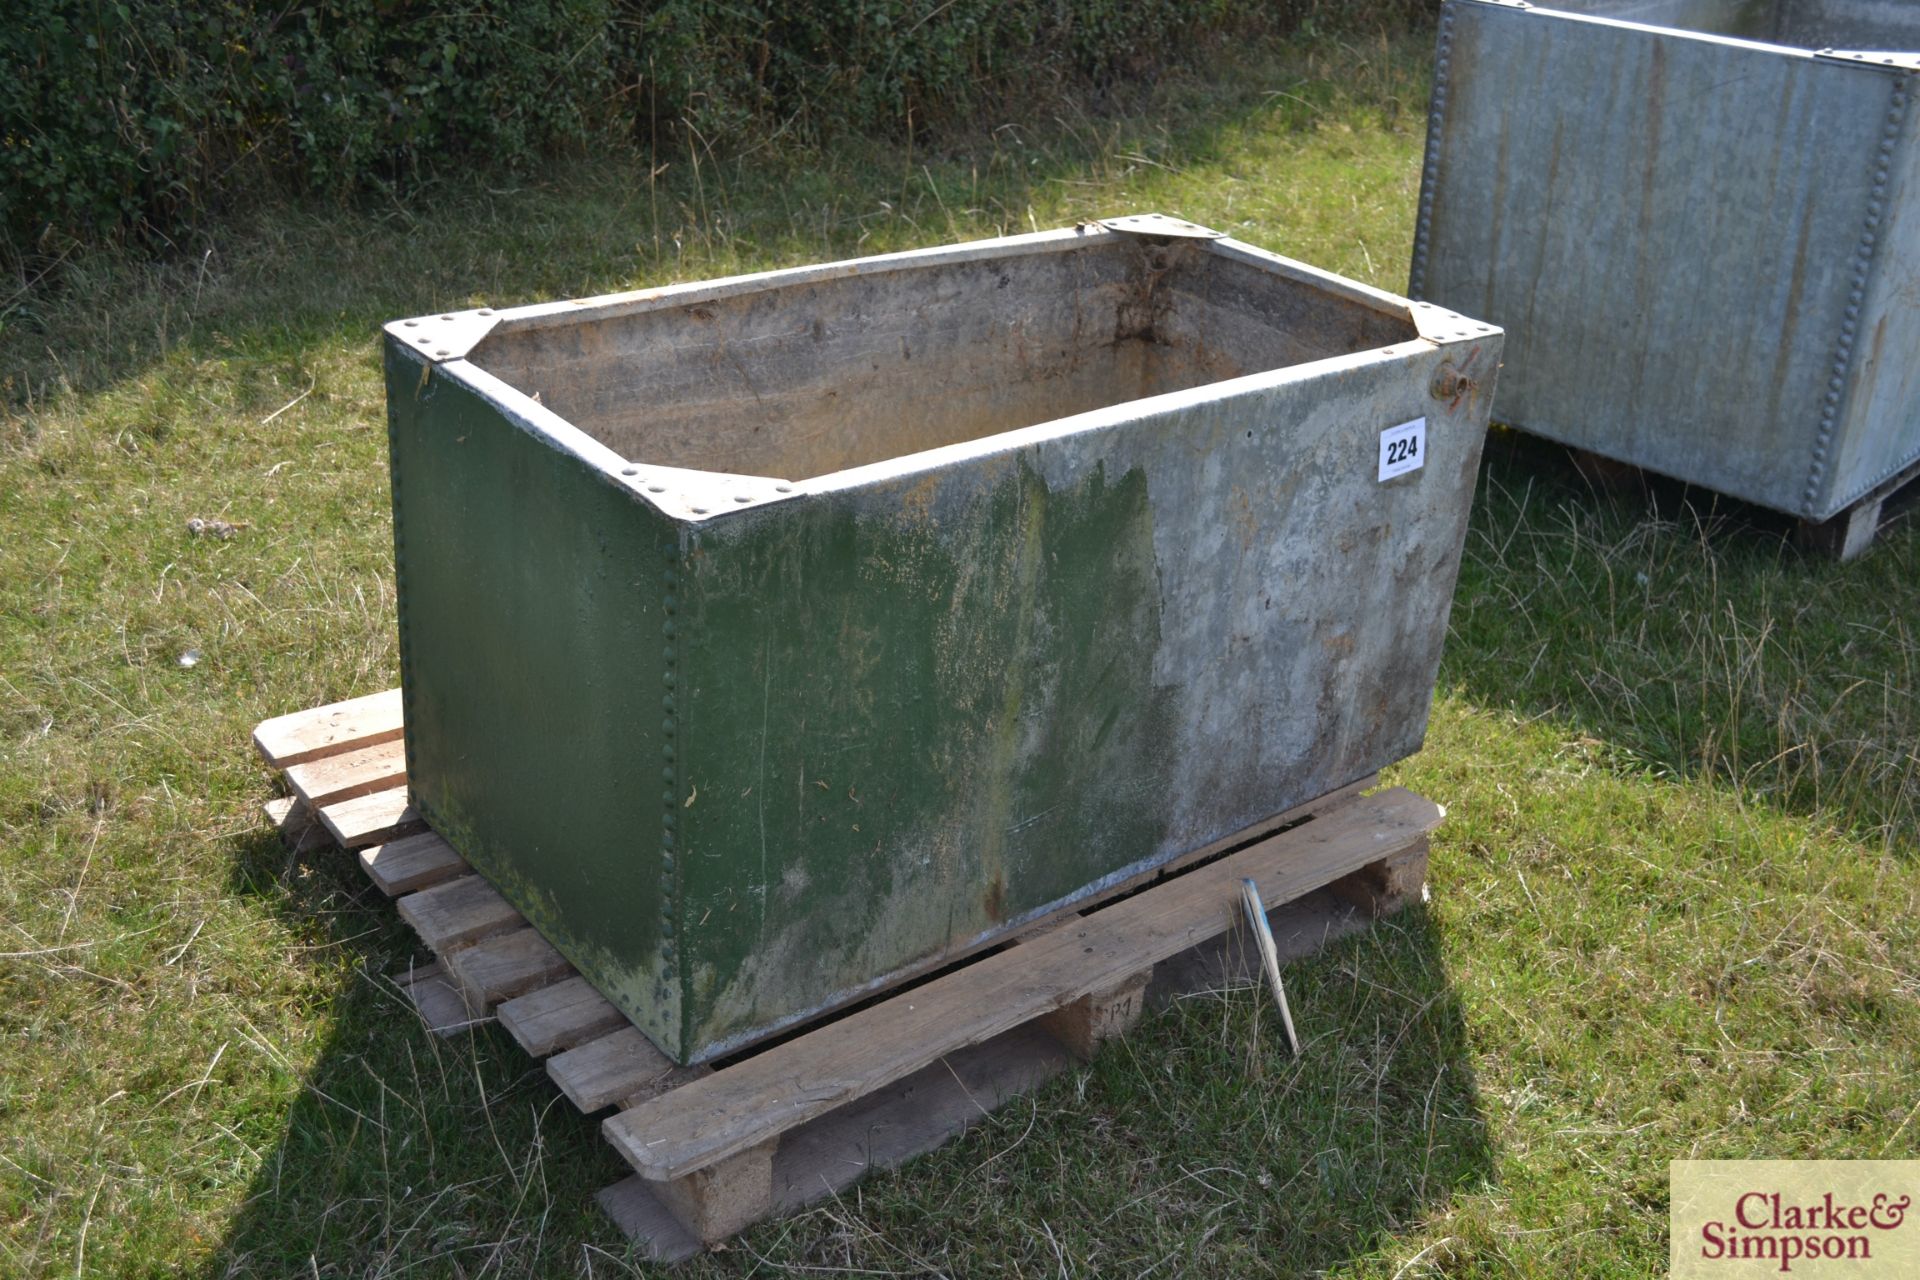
{"type": "Point", "coordinates": [1403, 448]}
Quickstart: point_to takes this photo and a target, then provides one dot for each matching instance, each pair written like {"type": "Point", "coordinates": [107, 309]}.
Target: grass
{"type": "Point", "coordinates": [1675, 900]}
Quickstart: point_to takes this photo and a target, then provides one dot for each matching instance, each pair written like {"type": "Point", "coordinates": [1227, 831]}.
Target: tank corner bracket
{"type": "Point", "coordinates": [447, 335]}
{"type": "Point", "coordinates": [1440, 326]}
{"type": "Point", "coordinates": [1159, 226]}
{"type": "Point", "coordinates": [697, 496]}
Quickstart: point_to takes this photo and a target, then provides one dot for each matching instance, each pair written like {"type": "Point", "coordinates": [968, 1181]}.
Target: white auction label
{"type": "Point", "coordinates": [1403, 448]}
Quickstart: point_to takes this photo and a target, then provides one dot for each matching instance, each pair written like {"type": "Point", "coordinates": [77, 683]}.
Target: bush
{"type": "Point", "coordinates": [139, 115]}
{"type": "Point", "coordinates": [139, 119]}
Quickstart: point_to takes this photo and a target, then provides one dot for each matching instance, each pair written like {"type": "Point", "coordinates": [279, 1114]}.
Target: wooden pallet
{"type": "Point", "coordinates": [1842, 537]}
{"type": "Point", "coordinates": [716, 1149]}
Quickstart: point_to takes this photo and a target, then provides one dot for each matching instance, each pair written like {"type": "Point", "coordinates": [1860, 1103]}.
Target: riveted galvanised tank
{"type": "Point", "coordinates": [1700, 226]}
{"type": "Point", "coordinates": [770, 639]}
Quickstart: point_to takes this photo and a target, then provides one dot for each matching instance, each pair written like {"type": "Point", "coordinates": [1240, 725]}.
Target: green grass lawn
{"type": "Point", "coordinates": [1674, 904]}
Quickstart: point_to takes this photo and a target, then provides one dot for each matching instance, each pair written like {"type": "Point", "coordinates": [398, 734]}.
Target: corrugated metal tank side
{"type": "Point", "coordinates": [1880, 431]}
{"type": "Point", "coordinates": [1668, 227]}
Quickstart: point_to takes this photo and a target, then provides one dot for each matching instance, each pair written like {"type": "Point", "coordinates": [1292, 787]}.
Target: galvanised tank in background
{"type": "Point", "coordinates": [1700, 229]}
{"type": "Point", "coordinates": [770, 639]}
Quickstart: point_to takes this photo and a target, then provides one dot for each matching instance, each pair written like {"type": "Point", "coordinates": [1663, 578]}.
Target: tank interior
{"type": "Point", "coordinates": [1886, 26]}
{"type": "Point", "coordinates": [806, 379]}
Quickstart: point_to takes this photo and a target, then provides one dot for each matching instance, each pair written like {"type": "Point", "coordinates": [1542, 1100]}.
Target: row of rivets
{"type": "Point", "coordinates": [1856, 297]}
{"type": "Point", "coordinates": [399, 553]}
{"type": "Point", "coordinates": [1430, 174]}
{"type": "Point", "coordinates": [669, 773]}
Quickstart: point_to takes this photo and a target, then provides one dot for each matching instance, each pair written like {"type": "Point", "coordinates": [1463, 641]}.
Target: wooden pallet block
{"type": "Point", "coordinates": [1848, 535]}
{"type": "Point", "coordinates": [1089, 1021]}
{"type": "Point", "coordinates": [881, 1130]}
{"type": "Point", "coordinates": [1384, 887]}
{"type": "Point", "coordinates": [1607, 475]}
{"type": "Point", "coordinates": [781, 1126]}
{"type": "Point", "coordinates": [890, 1126]}
{"type": "Point", "coordinates": [1844, 536]}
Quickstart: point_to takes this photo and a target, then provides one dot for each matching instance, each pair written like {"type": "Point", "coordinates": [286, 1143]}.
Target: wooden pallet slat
{"type": "Point", "coordinates": [458, 913]}
{"type": "Point", "coordinates": [371, 819]}
{"type": "Point", "coordinates": [356, 772]}
{"type": "Point", "coordinates": [324, 731]}
{"type": "Point", "coordinates": [621, 1065]}
{"type": "Point", "coordinates": [411, 863]}
{"type": "Point", "coordinates": [719, 1115]}
{"type": "Point", "coordinates": [505, 965]}
{"type": "Point", "coordinates": [568, 1013]}
{"type": "Point", "coordinates": [912, 1116]}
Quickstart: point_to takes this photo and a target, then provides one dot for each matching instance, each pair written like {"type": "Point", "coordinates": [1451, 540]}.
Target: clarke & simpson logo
{"type": "Point", "coordinates": [1765, 1225]}
{"type": "Point", "coordinates": [1808, 1218]}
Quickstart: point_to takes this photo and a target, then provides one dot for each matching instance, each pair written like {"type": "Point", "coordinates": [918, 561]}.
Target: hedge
{"type": "Point", "coordinates": [139, 118]}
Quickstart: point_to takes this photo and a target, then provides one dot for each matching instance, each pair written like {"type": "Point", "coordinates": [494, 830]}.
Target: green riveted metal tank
{"type": "Point", "coordinates": [769, 640]}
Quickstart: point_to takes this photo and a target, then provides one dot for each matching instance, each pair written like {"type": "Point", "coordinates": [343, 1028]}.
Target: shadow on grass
{"type": "Point", "coordinates": [403, 1152]}
{"type": "Point", "coordinates": [1196, 1145]}
{"type": "Point", "coordinates": [1689, 635]}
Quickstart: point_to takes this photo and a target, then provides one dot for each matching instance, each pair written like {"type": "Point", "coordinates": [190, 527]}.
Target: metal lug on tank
{"type": "Point", "coordinates": [1450, 381]}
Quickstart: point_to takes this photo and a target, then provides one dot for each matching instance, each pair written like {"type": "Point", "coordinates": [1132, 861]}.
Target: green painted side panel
{"type": "Point", "coordinates": [533, 591]}
{"type": "Point", "coordinates": [876, 781]}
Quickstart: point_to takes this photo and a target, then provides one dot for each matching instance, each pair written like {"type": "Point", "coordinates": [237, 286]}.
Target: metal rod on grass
{"type": "Point", "coordinates": [1269, 956]}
